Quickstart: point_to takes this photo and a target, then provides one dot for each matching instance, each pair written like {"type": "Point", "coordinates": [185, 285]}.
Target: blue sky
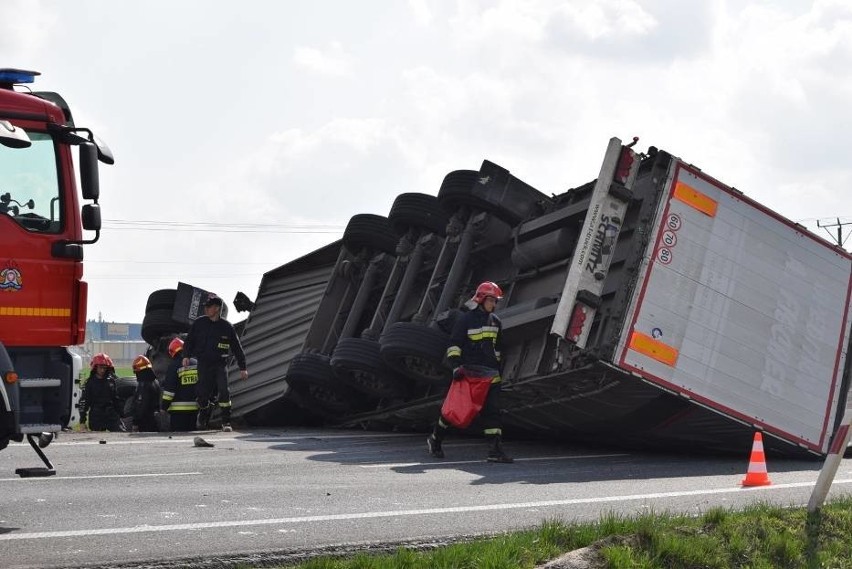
{"type": "Point", "coordinates": [249, 133]}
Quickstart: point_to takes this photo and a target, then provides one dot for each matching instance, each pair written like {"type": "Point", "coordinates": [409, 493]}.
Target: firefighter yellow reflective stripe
{"type": "Point", "coordinates": [183, 406]}
{"type": "Point", "coordinates": [453, 352]}
{"type": "Point", "coordinates": [692, 197]}
{"type": "Point", "coordinates": [652, 348]}
{"type": "Point", "coordinates": [34, 311]}
{"type": "Point", "coordinates": [168, 395]}
{"type": "Point", "coordinates": [497, 431]}
{"type": "Point", "coordinates": [486, 332]}
{"type": "Point", "coordinates": [224, 403]}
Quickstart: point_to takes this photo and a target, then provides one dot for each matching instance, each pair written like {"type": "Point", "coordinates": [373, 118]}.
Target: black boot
{"type": "Point", "coordinates": [434, 445]}
{"type": "Point", "coordinates": [433, 441]}
{"type": "Point", "coordinates": [203, 418]}
{"type": "Point", "coordinates": [495, 450]}
{"type": "Point", "coordinates": [226, 419]}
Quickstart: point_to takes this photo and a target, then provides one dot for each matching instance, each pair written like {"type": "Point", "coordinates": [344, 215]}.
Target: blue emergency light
{"type": "Point", "coordinates": [17, 76]}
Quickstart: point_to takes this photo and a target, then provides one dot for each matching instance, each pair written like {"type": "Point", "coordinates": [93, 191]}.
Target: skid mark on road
{"type": "Point", "coordinates": [400, 513]}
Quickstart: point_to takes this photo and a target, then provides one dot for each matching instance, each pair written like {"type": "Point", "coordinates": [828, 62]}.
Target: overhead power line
{"type": "Point", "coordinates": [157, 225]}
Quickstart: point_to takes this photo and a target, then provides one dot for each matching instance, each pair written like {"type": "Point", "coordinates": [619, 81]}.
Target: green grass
{"type": "Point", "coordinates": [759, 537]}
{"type": "Point", "coordinates": [119, 372]}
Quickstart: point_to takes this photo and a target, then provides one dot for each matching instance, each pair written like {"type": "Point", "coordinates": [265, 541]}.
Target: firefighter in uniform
{"type": "Point", "coordinates": [146, 401]}
{"type": "Point", "coordinates": [476, 343]}
{"type": "Point", "coordinates": [99, 402]}
{"type": "Point", "coordinates": [179, 390]}
{"type": "Point", "coordinates": [210, 340]}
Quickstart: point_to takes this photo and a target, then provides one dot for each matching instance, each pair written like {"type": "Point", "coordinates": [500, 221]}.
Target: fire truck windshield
{"type": "Point", "coordinates": [29, 187]}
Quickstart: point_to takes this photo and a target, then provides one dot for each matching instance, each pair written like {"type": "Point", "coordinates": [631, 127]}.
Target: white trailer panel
{"type": "Point", "coordinates": [741, 310]}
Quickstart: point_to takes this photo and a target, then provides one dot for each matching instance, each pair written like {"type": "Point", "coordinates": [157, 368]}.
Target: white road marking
{"type": "Point", "coordinates": [151, 475]}
{"type": "Point", "coordinates": [399, 513]}
{"type": "Point", "coordinates": [439, 462]}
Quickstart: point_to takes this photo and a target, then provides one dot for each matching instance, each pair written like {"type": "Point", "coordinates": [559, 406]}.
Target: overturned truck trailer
{"type": "Point", "coordinates": [654, 306]}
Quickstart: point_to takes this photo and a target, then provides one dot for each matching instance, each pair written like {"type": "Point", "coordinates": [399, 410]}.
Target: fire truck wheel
{"type": "Point", "coordinates": [416, 351]}
{"type": "Point", "coordinates": [358, 363]}
{"type": "Point", "coordinates": [420, 211]}
{"type": "Point", "coordinates": [369, 231]}
{"type": "Point", "coordinates": [161, 299]}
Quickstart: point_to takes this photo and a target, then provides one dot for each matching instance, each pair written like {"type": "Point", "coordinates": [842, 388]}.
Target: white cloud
{"type": "Point", "coordinates": [422, 11]}
{"type": "Point", "coordinates": [25, 28]}
{"type": "Point", "coordinates": [332, 61]}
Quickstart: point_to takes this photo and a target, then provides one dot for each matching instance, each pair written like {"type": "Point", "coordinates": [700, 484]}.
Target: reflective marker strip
{"type": "Point", "coordinates": [652, 348]}
{"type": "Point", "coordinates": [34, 311]}
{"type": "Point", "coordinates": [692, 197]}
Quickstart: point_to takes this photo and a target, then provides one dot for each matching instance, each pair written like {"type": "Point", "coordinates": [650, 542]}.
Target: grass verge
{"type": "Point", "coordinates": [759, 537]}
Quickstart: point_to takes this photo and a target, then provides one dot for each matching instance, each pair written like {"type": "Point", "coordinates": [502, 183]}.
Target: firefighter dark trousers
{"type": "Point", "coordinates": [104, 419]}
{"type": "Point", "coordinates": [183, 421]}
{"type": "Point", "coordinates": [213, 381]}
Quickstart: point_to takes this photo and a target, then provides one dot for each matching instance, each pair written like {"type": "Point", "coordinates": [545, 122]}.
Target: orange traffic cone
{"type": "Point", "coordinates": [757, 475]}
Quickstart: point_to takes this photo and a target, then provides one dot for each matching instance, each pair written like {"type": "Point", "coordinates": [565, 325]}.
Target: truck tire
{"type": "Point", "coordinates": [161, 299]}
{"type": "Point", "coordinates": [159, 323]}
{"type": "Point", "coordinates": [314, 380]}
{"type": "Point", "coordinates": [369, 231]}
{"type": "Point", "coordinates": [358, 363]}
{"type": "Point", "coordinates": [416, 351]}
{"type": "Point", "coordinates": [463, 188]}
{"type": "Point", "coordinates": [420, 211]}
{"type": "Point", "coordinates": [125, 387]}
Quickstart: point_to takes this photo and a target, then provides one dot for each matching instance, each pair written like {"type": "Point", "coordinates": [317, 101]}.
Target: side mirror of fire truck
{"type": "Point", "coordinates": [13, 137]}
{"type": "Point", "coordinates": [89, 172]}
{"type": "Point", "coordinates": [91, 215]}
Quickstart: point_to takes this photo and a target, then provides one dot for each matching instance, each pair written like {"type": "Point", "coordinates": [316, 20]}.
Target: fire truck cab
{"type": "Point", "coordinates": [43, 228]}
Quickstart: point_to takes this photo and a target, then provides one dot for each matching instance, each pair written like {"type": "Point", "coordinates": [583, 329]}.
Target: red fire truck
{"type": "Point", "coordinates": [43, 228]}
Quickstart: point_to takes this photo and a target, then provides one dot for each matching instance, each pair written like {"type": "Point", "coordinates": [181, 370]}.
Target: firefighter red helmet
{"type": "Point", "coordinates": [487, 289]}
{"type": "Point", "coordinates": [140, 363]}
{"type": "Point", "coordinates": [175, 346]}
{"type": "Point", "coordinates": [101, 360]}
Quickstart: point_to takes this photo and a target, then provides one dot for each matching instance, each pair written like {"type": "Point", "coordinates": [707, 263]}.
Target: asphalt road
{"type": "Point", "coordinates": [152, 499]}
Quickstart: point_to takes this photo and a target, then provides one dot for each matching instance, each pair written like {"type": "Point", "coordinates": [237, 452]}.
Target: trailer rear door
{"type": "Point", "coordinates": [742, 311]}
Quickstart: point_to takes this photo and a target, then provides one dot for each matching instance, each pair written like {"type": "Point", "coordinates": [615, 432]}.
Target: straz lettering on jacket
{"type": "Point", "coordinates": [602, 244]}
{"type": "Point", "coordinates": [224, 346]}
{"type": "Point", "coordinates": [188, 375]}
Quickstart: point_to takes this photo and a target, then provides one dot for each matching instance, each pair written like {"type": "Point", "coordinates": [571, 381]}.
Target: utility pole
{"type": "Point", "coordinates": [838, 239]}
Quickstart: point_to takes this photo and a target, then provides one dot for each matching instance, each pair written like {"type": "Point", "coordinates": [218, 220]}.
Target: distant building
{"type": "Point", "coordinates": [101, 331]}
